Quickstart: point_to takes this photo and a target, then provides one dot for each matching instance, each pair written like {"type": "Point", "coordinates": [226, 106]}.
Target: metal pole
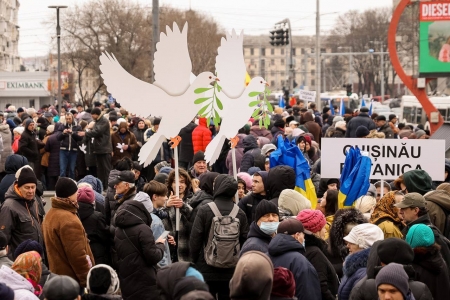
{"type": "Point", "coordinates": [58, 36]}
{"type": "Point", "coordinates": [382, 74]}
{"type": "Point", "coordinates": [318, 104]}
{"type": "Point", "coordinates": [177, 189]}
{"type": "Point", "coordinates": [350, 59]}
{"type": "Point", "coordinates": [291, 62]}
{"type": "Point", "coordinates": [155, 29]}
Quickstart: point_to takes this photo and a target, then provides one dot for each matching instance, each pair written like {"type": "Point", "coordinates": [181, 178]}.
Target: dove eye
{"type": "Point", "coordinates": [210, 77]}
{"type": "Point", "coordinates": [261, 81]}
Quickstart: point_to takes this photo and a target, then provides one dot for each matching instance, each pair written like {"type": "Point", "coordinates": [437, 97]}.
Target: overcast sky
{"type": "Point", "coordinates": [254, 16]}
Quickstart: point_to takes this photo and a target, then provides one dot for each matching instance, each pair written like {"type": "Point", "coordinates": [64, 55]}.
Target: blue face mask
{"type": "Point", "coordinates": [269, 228]}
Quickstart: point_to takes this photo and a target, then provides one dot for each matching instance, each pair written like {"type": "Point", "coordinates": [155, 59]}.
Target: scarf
{"type": "Point", "coordinates": [385, 209]}
{"type": "Point", "coordinates": [28, 265]}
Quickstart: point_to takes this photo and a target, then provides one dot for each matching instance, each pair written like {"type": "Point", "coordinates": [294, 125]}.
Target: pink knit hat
{"type": "Point", "coordinates": [86, 194]}
{"type": "Point", "coordinates": [312, 220]}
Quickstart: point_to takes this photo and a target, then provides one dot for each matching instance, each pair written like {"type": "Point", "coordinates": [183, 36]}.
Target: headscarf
{"type": "Point", "coordinates": [385, 209]}
{"type": "Point", "coordinates": [29, 265]}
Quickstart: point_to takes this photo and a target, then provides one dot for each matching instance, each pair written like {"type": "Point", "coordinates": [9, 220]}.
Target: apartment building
{"type": "Point", "coordinates": [9, 36]}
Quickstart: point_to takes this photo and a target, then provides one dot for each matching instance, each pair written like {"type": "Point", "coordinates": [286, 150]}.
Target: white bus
{"type": "Point", "coordinates": [412, 111]}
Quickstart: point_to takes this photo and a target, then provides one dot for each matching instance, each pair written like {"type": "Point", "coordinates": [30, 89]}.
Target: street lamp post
{"type": "Point", "coordinates": [382, 67]}
{"type": "Point", "coordinates": [58, 36]}
{"type": "Point", "coordinates": [318, 103]}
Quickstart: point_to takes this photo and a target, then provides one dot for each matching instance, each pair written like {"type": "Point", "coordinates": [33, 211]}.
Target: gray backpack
{"type": "Point", "coordinates": [222, 249]}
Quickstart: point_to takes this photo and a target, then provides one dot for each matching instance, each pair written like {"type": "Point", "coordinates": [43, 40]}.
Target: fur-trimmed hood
{"type": "Point", "coordinates": [356, 261]}
{"type": "Point", "coordinates": [429, 258]}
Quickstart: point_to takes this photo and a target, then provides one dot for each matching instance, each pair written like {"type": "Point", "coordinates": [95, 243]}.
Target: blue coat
{"type": "Point", "coordinates": [355, 268]}
{"type": "Point", "coordinates": [286, 252]}
{"type": "Point", "coordinates": [158, 229]}
{"type": "Point", "coordinates": [257, 240]}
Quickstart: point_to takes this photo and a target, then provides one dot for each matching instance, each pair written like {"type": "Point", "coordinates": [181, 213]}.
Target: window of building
{"type": "Point", "coordinates": [252, 73]}
{"type": "Point", "coordinates": [272, 62]}
{"type": "Point", "coordinates": [272, 83]}
{"type": "Point", "coordinates": [282, 74]}
{"type": "Point", "coordinates": [313, 82]}
{"type": "Point", "coordinates": [293, 51]}
{"type": "Point", "coordinates": [313, 72]}
{"type": "Point", "coordinates": [252, 61]}
{"type": "Point", "coordinates": [313, 50]}
{"type": "Point", "coordinates": [303, 50]}
{"type": "Point", "coordinates": [282, 61]}
{"type": "Point", "coordinates": [263, 51]}
{"type": "Point", "coordinates": [323, 50]}
{"type": "Point", "coordinates": [272, 73]}
{"type": "Point", "coordinates": [282, 51]}
{"type": "Point", "coordinates": [252, 51]}
{"type": "Point", "coordinates": [313, 61]}
{"type": "Point", "coordinates": [272, 51]}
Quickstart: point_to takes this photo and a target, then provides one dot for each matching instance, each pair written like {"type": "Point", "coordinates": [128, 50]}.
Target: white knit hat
{"type": "Point", "coordinates": [19, 129]}
{"type": "Point", "coordinates": [365, 235]}
{"type": "Point", "coordinates": [293, 201]}
{"type": "Point", "coordinates": [365, 203]}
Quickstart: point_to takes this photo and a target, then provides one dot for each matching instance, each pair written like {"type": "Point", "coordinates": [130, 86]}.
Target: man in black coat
{"type": "Point", "coordinates": [13, 163]}
{"type": "Point", "coordinates": [68, 139]}
{"type": "Point", "coordinates": [186, 147]}
{"type": "Point", "coordinates": [225, 188]}
{"type": "Point", "coordinates": [279, 179]}
{"type": "Point", "coordinates": [251, 150]}
{"type": "Point", "coordinates": [102, 147]}
{"type": "Point", "coordinates": [363, 119]}
{"type": "Point", "coordinates": [29, 144]}
{"type": "Point", "coordinates": [250, 202]}
{"type": "Point", "coordinates": [383, 126]}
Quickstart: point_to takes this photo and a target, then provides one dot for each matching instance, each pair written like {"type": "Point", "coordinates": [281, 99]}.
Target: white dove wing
{"type": "Point", "coordinates": [139, 97]}
{"type": "Point", "coordinates": [172, 63]}
{"type": "Point", "coordinates": [230, 64]}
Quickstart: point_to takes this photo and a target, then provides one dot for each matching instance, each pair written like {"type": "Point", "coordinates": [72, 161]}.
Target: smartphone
{"type": "Point", "coordinates": [164, 235]}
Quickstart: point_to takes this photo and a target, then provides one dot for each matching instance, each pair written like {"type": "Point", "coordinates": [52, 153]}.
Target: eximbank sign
{"type": "Point", "coordinates": [15, 85]}
{"type": "Point", "coordinates": [434, 58]}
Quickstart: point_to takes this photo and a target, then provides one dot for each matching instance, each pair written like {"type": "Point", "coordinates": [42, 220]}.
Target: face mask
{"type": "Point", "coordinates": [269, 228]}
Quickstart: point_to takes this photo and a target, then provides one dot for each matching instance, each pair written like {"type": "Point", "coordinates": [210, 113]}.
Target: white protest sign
{"type": "Point", "coordinates": [307, 95]}
{"type": "Point", "coordinates": [390, 157]}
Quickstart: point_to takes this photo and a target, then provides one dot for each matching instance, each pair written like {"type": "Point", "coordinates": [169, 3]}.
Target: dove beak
{"type": "Point", "coordinates": [267, 84]}
{"type": "Point", "coordinates": [217, 79]}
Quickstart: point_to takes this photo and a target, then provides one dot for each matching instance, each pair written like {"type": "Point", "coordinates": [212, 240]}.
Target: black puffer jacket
{"type": "Point", "coordinates": [329, 283]}
{"type": "Point", "coordinates": [249, 203]}
{"type": "Point", "coordinates": [102, 136]}
{"type": "Point", "coordinates": [225, 188]}
{"type": "Point", "coordinates": [28, 146]}
{"type": "Point", "coordinates": [279, 179]}
{"type": "Point", "coordinates": [110, 202]}
{"type": "Point", "coordinates": [204, 196]}
{"type": "Point", "coordinates": [363, 119]}
{"type": "Point", "coordinates": [97, 231]}
{"type": "Point", "coordinates": [251, 150]}
{"type": "Point", "coordinates": [13, 163]}
{"type": "Point", "coordinates": [69, 141]}
{"type": "Point", "coordinates": [137, 252]}
{"type": "Point", "coordinates": [53, 147]}
{"type": "Point", "coordinates": [186, 148]}
{"type": "Point", "coordinates": [168, 276]}
{"type": "Point", "coordinates": [257, 240]}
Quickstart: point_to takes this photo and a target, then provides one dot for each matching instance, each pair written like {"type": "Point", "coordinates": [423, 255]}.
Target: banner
{"type": "Point", "coordinates": [434, 56]}
{"type": "Point", "coordinates": [307, 95]}
{"type": "Point", "coordinates": [390, 157]}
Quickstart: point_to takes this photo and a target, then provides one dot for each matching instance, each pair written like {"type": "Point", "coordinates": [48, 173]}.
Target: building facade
{"type": "Point", "coordinates": [9, 36]}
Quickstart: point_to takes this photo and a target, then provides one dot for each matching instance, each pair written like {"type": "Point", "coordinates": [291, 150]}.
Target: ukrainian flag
{"type": "Point", "coordinates": [289, 154]}
{"type": "Point", "coordinates": [247, 78]}
{"type": "Point", "coordinates": [355, 177]}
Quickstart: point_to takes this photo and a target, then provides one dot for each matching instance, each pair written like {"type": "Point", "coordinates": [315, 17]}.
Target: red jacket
{"type": "Point", "coordinates": [201, 136]}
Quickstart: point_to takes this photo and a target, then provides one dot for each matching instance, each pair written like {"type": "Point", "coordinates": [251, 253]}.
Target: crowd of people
{"type": "Point", "coordinates": [111, 230]}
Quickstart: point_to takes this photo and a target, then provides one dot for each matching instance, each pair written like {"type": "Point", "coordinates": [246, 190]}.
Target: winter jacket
{"type": "Point", "coordinates": [97, 232]}
{"type": "Point", "coordinates": [431, 270]}
{"type": "Point", "coordinates": [198, 200]}
{"type": "Point", "coordinates": [101, 135]}
{"type": "Point", "coordinates": [52, 146]}
{"type": "Point", "coordinates": [439, 238]}
{"type": "Point", "coordinates": [28, 146]}
{"type": "Point", "coordinates": [355, 266]}
{"type": "Point", "coordinates": [110, 202]}
{"type": "Point", "coordinates": [366, 289]}
{"type": "Point", "coordinates": [5, 261]}
{"type": "Point", "coordinates": [386, 129]}
{"type": "Point", "coordinates": [389, 229]}
{"type": "Point", "coordinates": [137, 252]}
{"type": "Point", "coordinates": [20, 219]}
{"type": "Point", "coordinates": [257, 240]}
{"type": "Point", "coordinates": [315, 130]}
{"type": "Point", "coordinates": [329, 282]}
{"type": "Point", "coordinates": [239, 154]}
{"type": "Point", "coordinates": [278, 179]}
{"type": "Point", "coordinates": [101, 297]}
{"type": "Point", "coordinates": [251, 150]}
{"type": "Point", "coordinates": [127, 138]}
{"type": "Point", "coordinates": [286, 252]}
{"type": "Point", "coordinates": [69, 141]}
{"type": "Point", "coordinates": [23, 289]}
{"type": "Point", "coordinates": [97, 186]}
{"type": "Point", "coordinates": [225, 188]}
{"type": "Point", "coordinates": [140, 134]}
{"type": "Point", "coordinates": [256, 131]}
{"type": "Point", "coordinates": [166, 153]}
{"type": "Point", "coordinates": [13, 163]}
{"type": "Point", "coordinates": [438, 204]}
{"type": "Point", "coordinates": [167, 278]}
{"type": "Point", "coordinates": [201, 136]}
{"type": "Point", "coordinates": [6, 138]}
{"type": "Point", "coordinates": [46, 275]}
{"type": "Point", "coordinates": [249, 203]}
{"type": "Point", "coordinates": [66, 242]}
{"type": "Point", "coordinates": [117, 202]}
{"type": "Point", "coordinates": [158, 229]}
{"type": "Point", "coordinates": [186, 147]}
{"type": "Point", "coordinates": [276, 131]}
{"type": "Point", "coordinates": [363, 119]}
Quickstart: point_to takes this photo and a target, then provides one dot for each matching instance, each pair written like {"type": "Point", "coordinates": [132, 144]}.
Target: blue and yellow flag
{"type": "Point", "coordinates": [289, 154]}
{"type": "Point", "coordinates": [354, 177]}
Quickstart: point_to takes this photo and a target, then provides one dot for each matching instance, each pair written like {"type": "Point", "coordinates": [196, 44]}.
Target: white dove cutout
{"type": "Point", "coordinates": [230, 67]}
{"type": "Point", "coordinates": [170, 97]}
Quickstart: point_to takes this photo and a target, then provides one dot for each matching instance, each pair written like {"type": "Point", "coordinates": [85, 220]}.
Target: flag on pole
{"type": "Point", "coordinates": [331, 108]}
{"type": "Point", "coordinates": [370, 108]}
{"type": "Point", "coordinates": [289, 154]}
{"type": "Point", "coordinates": [363, 102]}
{"type": "Point", "coordinates": [247, 78]}
{"type": "Point", "coordinates": [355, 177]}
{"type": "Point", "coordinates": [342, 108]}
{"type": "Point", "coordinates": [281, 103]}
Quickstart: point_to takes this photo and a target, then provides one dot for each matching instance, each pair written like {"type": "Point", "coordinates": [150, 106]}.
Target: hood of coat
{"type": "Point", "coordinates": [168, 276]}
{"type": "Point", "coordinates": [278, 179]}
{"type": "Point", "coordinates": [429, 258]}
{"type": "Point", "coordinates": [256, 232]}
{"type": "Point", "coordinates": [306, 117]}
{"type": "Point", "coordinates": [94, 182]}
{"type": "Point", "coordinates": [207, 182]}
{"type": "Point", "coordinates": [198, 198]}
{"type": "Point", "coordinates": [253, 277]}
{"type": "Point", "coordinates": [311, 240]}
{"type": "Point", "coordinates": [417, 181]}
{"type": "Point", "coordinates": [202, 122]}
{"type": "Point", "coordinates": [15, 162]}
{"type": "Point", "coordinates": [264, 175]}
{"type": "Point", "coordinates": [240, 143]}
{"type": "Point", "coordinates": [225, 186]}
{"type": "Point", "coordinates": [123, 125]}
{"type": "Point", "coordinates": [132, 213]}
{"type": "Point", "coordinates": [337, 231]}
{"type": "Point", "coordinates": [11, 194]}
{"type": "Point", "coordinates": [85, 210]}
{"type": "Point", "coordinates": [440, 197]}
{"type": "Point", "coordinates": [15, 281]}
{"type": "Point", "coordinates": [250, 143]}
{"type": "Point", "coordinates": [283, 243]}
{"type": "Point", "coordinates": [4, 128]}
{"type": "Point", "coordinates": [355, 261]}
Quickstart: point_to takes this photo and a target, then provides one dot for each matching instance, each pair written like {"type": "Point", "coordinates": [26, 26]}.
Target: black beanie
{"type": "Point", "coordinates": [96, 111]}
{"type": "Point", "coordinates": [265, 207]}
{"type": "Point", "coordinates": [65, 187]}
{"type": "Point", "coordinates": [279, 123]}
{"type": "Point", "coordinates": [26, 176]}
{"type": "Point", "coordinates": [27, 246]}
{"type": "Point", "coordinates": [362, 131]}
{"type": "Point", "coordinates": [198, 157]}
{"type": "Point", "coordinates": [395, 250]}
